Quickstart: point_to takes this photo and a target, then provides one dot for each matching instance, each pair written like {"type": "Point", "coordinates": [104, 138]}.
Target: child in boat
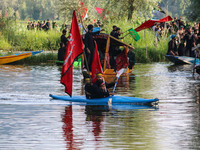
{"type": "Point", "coordinates": [104, 91]}
{"type": "Point", "coordinates": [91, 90]}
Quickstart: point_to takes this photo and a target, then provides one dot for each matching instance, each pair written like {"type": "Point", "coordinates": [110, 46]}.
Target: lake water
{"type": "Point", "coordinates": [30, 119]}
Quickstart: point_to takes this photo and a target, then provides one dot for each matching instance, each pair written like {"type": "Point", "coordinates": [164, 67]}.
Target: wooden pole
{"type": "Point", "coordinates": [145, 41]}
{"type": "Point", "coordinates": [106, 53]}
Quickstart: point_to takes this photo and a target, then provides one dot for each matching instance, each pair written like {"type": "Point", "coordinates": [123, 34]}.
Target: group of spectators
{"type": "Point", "coordinates": [183, 36]}
{"type": "Point", "coordinates": [45, 25]}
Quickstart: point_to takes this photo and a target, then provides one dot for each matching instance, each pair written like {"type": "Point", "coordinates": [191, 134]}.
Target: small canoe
{"type": "Point", "coordinates": [110, 99]}
{"type": "Point", "coordinates": [16, 57]}
{"type": "Point", "coordinates": [181, 60]}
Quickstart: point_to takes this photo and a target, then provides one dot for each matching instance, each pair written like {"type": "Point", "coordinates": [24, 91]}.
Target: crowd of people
{"type": "Point", "coordinates": [183, 36]}
{"type": "Point", "coordinates": [45, 25]}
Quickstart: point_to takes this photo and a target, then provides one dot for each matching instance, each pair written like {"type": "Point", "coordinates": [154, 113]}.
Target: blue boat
{"type": "Point", "coordinates": [181, 60]}
{"type": "Point", "coordinates": [107, 100]}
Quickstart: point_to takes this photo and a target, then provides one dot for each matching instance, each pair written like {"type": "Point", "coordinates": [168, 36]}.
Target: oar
{"type": "Point", "coordinates": [119, 73]}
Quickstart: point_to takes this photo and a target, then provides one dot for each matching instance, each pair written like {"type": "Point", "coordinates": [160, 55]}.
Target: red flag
{"type": "Point", "coordinates": [73, 50]}
{"type": "Point", "coordinates": [150, 23]}
{"type": "Point", "coordinates": [99, 10]}
{"type": "Point", "coordinates": [96, 65]}
{"type": "Point", "coordinates": [83, 10]}
{"type": "Point", "coordinates": [122, 60]}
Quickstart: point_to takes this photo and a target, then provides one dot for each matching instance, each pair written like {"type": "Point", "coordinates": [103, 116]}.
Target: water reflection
{"type": "Point", "coordinates": [29, 119]}
{"type": "Point", "coordinates": [68, 127]}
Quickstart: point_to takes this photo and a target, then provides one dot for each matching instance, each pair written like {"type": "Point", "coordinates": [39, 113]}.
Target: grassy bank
{"type": "Point", "coordinates": [18, 38]}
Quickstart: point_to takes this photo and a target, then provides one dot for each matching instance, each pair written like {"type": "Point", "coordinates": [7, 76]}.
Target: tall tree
{"type": "Point", "coordinates": [193, 11]}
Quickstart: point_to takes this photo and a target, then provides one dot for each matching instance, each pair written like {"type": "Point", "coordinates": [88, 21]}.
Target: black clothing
{"type": "Point", "coordinates": [189, 40]}
{"type": "Point", "coordinates": [89, 43]}
{"type": "Point", "coordinates": [64, 40]}
{"type": "Point", "coordinates": [94, 92]}
{"type": "Point", "coordinates": [48, 25]}
{"type": "Point", "coordinates": [108, 85]}
{"type": "Point", "coordinates": [61, 53]}
{"type": "Point", "coordinates": [104, 94]}
{"type": "Point", "coordinates": [131, 57]}
{"type": "Point", "coordinates": [112, 33]}
{"type": "Point", "coordinates": [181, 50]}
{"type": "Point", "coordinates": [114, 51]}
{"type": "Point", "coordinates": [172, 47]}
{"type": "Point", "coordinates": [116, 35]}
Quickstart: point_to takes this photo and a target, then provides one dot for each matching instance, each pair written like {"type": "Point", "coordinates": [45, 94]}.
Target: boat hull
{"type": "Point", "coordinates": [16, 57]}
{"type": "Point", "coordinates": [110, 99]}
{"type": "Point", "coordinates": [181, 60]}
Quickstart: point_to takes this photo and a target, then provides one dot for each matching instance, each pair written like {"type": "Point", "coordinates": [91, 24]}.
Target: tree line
{"type": "Point", "coordinates": [114, 9]}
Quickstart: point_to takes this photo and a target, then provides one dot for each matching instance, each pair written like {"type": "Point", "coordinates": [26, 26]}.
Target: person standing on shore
{"type": "Point", "coordinates": [63, 38]}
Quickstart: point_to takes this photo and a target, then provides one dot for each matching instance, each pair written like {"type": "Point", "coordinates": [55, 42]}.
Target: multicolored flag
{"type": "Point", "coordinates": [96, 65]}
{"type": "Point", "coordinates": [73, 50]}
{"type": "Point", "coordinates": [134, 34]}
{"type": "Point", "coordinates": [83, 10]}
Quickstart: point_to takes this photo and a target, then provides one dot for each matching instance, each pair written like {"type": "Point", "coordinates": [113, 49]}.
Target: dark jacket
{"type": "Point", "coordinates": [92, 92]}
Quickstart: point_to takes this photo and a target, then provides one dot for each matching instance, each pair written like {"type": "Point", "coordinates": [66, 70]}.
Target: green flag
{"type": "Point", "coordinates": [134, 34]}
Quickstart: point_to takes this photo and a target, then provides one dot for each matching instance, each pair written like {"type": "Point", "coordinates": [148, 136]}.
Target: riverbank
{"type": "Point", "coordinates": [50, 57]}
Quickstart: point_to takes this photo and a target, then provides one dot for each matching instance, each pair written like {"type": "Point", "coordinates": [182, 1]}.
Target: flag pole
{"type": "Point", "coordinates": [126, 35]}
{"type": "Point", "coordinates": [145, 41]}
{"type": "Point", "coordinates": [86, 62]}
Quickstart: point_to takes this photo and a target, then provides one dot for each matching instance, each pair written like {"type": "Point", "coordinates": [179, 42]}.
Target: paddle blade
{"type": "Point", "coordinates": [119, 73]}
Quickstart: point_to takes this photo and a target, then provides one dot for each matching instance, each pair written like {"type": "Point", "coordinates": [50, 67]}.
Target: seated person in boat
{"type": "Point", "coordinates": [93, 91]}
{"type": "Point", "coordinates": [61, 52]}
{"type": "Point", "coordinates": [172, 47]}
{"type": "Point", "coordinates": [100, 79]}
{"type": "Point", "coordinates": [104, 91]}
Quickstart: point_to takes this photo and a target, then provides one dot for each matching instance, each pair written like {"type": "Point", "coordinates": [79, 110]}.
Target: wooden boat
{"type": "Point", "coordinates": [106, 100]}
{"type": "Point", "coordinates": [103, 43]}
{"type": "Point", "coordinates": [16, 57]}
{"type": "Point", "coordinates": [181, 60]}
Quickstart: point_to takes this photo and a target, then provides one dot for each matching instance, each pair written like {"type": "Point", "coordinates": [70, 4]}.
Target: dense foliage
{"type": "Point", "coordinates": [193, 13]}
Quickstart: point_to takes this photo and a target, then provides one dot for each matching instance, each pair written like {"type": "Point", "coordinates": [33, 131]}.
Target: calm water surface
{"type": "Point", "coordinates": [29, 119]}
